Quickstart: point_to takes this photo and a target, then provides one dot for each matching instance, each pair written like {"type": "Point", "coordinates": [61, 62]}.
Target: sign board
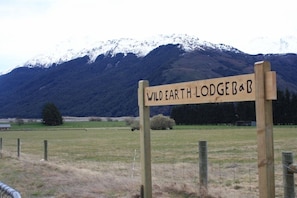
{"type": "Point", "coordinates": [227, 89]}
{"type": "Point", "coordinates": [259, 87]}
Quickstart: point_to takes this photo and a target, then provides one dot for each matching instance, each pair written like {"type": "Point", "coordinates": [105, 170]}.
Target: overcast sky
{"type": "Point", "coordinates": [32, 27]}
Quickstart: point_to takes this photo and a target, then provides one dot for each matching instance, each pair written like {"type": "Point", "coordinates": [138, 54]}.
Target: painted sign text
{"type": "Point", "coordinates": [228, 89]}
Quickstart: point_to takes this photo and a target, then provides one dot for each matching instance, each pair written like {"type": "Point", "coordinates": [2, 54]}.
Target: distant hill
{"type": "Point", "coordinates": [107, 86]}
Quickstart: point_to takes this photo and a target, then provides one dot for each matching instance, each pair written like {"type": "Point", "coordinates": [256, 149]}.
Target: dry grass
{"type": "Point", "coordinates": [35, 178]}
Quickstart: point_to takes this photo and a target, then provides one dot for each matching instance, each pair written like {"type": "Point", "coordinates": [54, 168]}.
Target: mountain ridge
{"type": "Point", "coordinates": [123, 45]}
{"type": "Point", "coordinates": [107, 86]}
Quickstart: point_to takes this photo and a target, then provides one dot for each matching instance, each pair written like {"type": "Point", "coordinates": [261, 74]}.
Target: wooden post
{"type": "Point", "coordinates": [0, 144]}
{"type": "Point", "coordinates": [145, 141]}
{"type": "Point", "coordinates": [203, 172]}
{"type": "Point", "coordinates": [45, 150]}
{"type": "Point", "coordinates": [19, 147]}
{"type": "Point", "coordinates": [0, 147]}
{"type": "Point", "coordinates": [288, 176]}
{"type": "Point", "coordinates": [264, 133]}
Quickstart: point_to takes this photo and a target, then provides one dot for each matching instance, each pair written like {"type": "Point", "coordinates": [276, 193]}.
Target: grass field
{"type": "Point", "coordinates": [101, 159]}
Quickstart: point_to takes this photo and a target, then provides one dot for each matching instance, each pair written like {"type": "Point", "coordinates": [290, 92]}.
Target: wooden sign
{"type": "Point", "coordinates": [259, 87]}
{"type": "Point", "coordinates": [227, 89]}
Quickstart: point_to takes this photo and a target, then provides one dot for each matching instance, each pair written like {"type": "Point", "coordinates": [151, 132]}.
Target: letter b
{"type": "Point", "coordinates": [234, 87]}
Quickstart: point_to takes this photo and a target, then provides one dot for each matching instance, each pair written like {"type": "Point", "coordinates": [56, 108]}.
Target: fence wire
{"type": "Point", "coordinates": [229, 175]}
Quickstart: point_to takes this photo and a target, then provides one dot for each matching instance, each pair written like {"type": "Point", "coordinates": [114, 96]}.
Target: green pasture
{"type": "Point", "coordinates": [115, 142]}
{"type": "Point", "coordinates": [67, 125]}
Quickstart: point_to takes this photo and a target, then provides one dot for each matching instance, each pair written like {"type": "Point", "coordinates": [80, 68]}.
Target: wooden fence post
{"type": "Point", "coordinates": [145, 141]}
{"type": "Point", "coordinates": [0, 144]}
{"type": "Point", "coordinates": [19, 147]}
{"type": "Point", "coordinates": [264, 133]}
{"type": "Point", "coordinates": [0, 147]}
{"type": "Point", "coordinates": [203, 170]}
{"type": "Point", "coordinates": [288, 176]}
{"type": "Point", "coordinates": [45, 150]}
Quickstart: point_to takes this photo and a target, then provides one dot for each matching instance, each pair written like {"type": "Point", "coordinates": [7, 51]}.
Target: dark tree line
{"type": "Point", "coordinates": [284, 111]}
{"type": "Point", "coordinates": [285, 108]}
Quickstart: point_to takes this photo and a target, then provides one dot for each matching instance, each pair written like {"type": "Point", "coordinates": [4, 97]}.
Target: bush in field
{"type": "Point", "coordinates": [19, 121]}
{"type": "Point", "coordinates": [158, 122]}
{"type": "Point", "coordinates": [161, 122]}
{"type": "Point", "coordinates": [135, 125]}
{"type": "Point", "coordinates": [51, 115]}
{"type": "Point", "coordinates": [129, 121]}
{"type": "Point", "coordinates": [95, 119]}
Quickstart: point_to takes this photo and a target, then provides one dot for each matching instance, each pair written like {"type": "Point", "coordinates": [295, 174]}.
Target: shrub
{"type": "Point", "coordinates": [135, 125]}
{"type": "Point", "coordinates": [129, 121]}
{"type": "Point", "coordinates": [158, 122]}
{"type": "Point", "coordinates": [51, 115]}
{"type": "Point", "coordinates": [95, 119]}
{"type": "Point", "coordinates": [19, 121]}
{"type": "Point", "coordinates": [161, 122]}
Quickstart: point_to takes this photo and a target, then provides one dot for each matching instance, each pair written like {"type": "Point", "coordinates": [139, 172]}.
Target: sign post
{"type": "Point", "coordinates": [264, 132]}
{"type": "Point", "coordinates": [259, 87]}
{"type": "Point", "coordinates": [145, 142]}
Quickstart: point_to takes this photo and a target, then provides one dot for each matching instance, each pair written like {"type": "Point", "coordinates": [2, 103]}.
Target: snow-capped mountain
{"type": "Point", "coordinates": [68, 50]}
{"type": "Point", "coordinates": [108, 86]}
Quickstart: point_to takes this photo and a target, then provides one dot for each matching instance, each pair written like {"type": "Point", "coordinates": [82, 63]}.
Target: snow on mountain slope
{"type": "Point", "coordinates": [69, 50]}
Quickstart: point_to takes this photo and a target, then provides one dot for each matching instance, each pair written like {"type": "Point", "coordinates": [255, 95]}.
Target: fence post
{"type": "Point", "coordinates": [203, 172]}
{"type": "Point", "coordinates": [19, 147]}
{"type": "Point", "coordinates": [288, 176]}
{"type": "Point", "coordinates": [0, 147]}
{"type": "Point", "coordinates": [45, 150]}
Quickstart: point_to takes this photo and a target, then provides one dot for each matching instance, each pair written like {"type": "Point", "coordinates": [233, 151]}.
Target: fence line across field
{"type": "Point", "coordinates": [231, 175]}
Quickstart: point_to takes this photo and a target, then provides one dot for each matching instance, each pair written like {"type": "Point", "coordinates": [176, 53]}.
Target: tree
{"type": "Point", "coordinates": [19, 121]}
{"type": "Point", "coordinates": [51, 115]}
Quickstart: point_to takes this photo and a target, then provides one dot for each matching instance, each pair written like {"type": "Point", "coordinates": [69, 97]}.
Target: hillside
{"type": "Point", "coordinates": [107, 86]}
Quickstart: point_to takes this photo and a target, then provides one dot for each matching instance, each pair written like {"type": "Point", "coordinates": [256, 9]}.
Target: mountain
{"type": "Point", "coordinates": [103, 81]}
{"type": "Point", "coordinates": [68, 51]}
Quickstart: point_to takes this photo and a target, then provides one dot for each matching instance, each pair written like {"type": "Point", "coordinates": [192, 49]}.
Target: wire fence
{"type": "Point", "coordinates": [230, 174]}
